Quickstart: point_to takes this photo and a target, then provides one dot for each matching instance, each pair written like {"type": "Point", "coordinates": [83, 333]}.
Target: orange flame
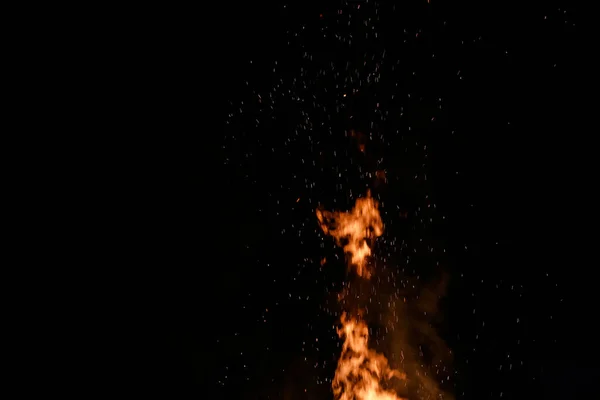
{"type": "Point", "coordinates": [360, 369]}
{"type": "Point", "coordinates": [351, 230]}
{"type": "Point", "coordinates": [362, 373]}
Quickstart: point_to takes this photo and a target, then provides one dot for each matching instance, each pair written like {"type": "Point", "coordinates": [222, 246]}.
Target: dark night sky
{"type": "Point", "coordinates": [475, 113]}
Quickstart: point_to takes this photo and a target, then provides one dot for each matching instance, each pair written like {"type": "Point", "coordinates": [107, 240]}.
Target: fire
{"type": "Point", "coordinates": [361, 369]}
{"type": "Point", "coordinates": [354, 230]}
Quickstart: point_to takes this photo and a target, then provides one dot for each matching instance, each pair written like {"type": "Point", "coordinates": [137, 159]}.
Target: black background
{"type": "Point", "coordinates": [512, 127]}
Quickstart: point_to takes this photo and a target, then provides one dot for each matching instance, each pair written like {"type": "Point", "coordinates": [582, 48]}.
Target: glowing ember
{"type": "Point", "coordinates": [353, 230]}
{"type": "Point", "coordinates": [361, 370]}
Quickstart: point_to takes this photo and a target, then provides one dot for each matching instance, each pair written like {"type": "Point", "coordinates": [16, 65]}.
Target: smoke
{"type": "Point", "coordinates": [425, 357]}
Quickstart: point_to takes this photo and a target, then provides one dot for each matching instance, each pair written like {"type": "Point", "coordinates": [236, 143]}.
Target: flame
{"type": "Point", "coordinates": [362, 373]}
{"type": "Point", "coordinates": [360, 369]}
{"type": "Point", "coordinates": [352, 229]}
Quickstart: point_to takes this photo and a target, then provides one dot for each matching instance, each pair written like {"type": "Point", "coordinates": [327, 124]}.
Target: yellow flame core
{"type": "Point", "coordinates": [352, 230]}
{"type": "Point", "coordinates": [361, 370]}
